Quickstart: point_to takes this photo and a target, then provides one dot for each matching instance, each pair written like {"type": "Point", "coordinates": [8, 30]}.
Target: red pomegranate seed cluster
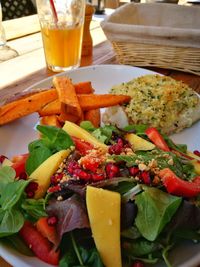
{"type": "Point", "coordinates": [117, 148]}
{"type": "Point", "coordinates": [197, 152]}
{"type": "Point", "coordinates": [31, 189]}
{"type": "Point", "coordinates": [52, 221]}
{"type": "Point", "coordinates": [55, 179]}
{"type": "Point", "coordinates": [2, 158]}
{"type": "Point", "coordinates": [144, 176]}
{"type": "Point", "coordinates": [112, 170]}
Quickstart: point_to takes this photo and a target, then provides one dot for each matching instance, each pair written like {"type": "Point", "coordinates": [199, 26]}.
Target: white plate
{"type": "Point", "coordinates": [14, 138]}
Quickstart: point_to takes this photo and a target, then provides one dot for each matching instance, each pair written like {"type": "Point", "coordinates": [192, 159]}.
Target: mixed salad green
{"type": "Point", "coordinates": [43, 209]}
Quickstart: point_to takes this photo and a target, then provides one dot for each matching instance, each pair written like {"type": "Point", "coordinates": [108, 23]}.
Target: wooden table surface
{"type": "Point", "coordinates": [29, 67]}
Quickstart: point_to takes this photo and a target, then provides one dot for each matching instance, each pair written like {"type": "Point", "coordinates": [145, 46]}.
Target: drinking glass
{"type": "Point", "coordinates": [61, 23]}
{"type": "Point", "coordinates": [5, 51]}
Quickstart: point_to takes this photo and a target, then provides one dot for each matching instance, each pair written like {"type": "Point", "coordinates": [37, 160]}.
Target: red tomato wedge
{"type": "Point", "coordinates": [157, 138]}
{"type": "Point", "coordinates": [177, 186]}
{"type": "Point", "coordinates": [19, 164]}
{"type": "Point", "coordinates": [82, 146]}
{"type": "Point", "coordinates": [40, 245]}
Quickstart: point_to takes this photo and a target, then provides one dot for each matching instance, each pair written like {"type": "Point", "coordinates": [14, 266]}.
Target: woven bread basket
{"type": "Point", "coordinates": [159, 35]}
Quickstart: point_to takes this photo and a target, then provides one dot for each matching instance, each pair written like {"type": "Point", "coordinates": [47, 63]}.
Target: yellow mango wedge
{"type": "Point", "coordinates": [103, 208]}
{"type": "Point", "coordinates": [192, 155]}
{"type": "Point", "coordinates": [76, 131]}
{"type": "Point", "coordinates": [138, 143]}
{"type": "Point", "coordinates": [196, 165]}
{"type": "Point", "coordinates": [43, 173]}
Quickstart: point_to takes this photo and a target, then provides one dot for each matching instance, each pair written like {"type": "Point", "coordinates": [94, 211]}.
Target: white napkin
{"type": "Point", "coordinates": [155, 23]}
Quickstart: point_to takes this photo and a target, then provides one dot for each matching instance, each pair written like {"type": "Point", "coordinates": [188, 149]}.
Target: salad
{"type": "Point", "coordinates": [87, 196]}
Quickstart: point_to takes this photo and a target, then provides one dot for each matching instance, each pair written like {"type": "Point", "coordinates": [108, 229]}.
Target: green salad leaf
{"type": "Point", "coordinates": [53, 139]}
{"type": "Point", "coordinates": [155, 210]}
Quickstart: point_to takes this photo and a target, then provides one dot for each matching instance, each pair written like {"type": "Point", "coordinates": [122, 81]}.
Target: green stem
{"type": "Point", "coordinates": [76, 249]}
{"type": "Point", "coordinates": [165, 254]}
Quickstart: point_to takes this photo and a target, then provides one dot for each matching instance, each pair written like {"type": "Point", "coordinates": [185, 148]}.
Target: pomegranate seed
{"type": "Point", "coordinates": [2, 158]}
{"type": "Point", "coordinates": [197, 152]}
{"type": "Point", "coordinates": [112, 170]}
{"type": "Point", "coordinates": [54, 189]}
{"type": "Point", "coordinates": [116, 148]}
{"type": "Point", "coordinates": [82, 174]}
{"type": "Point", "coordinates": [97, 176]}
{"type": "Point", "coordinates": [145, 177]}
{"type": "Point", "coordinates": [52, 221]}
{"type": "Point", "coordinates": [138, 264]}
{"type": "Point", "coordinates": [30, 194]}
{"type": "Point", "coordinates": [134, 171]}
{"type": "Point", "coordinates": [72, 166]}
{"type": "Point", "coordinates": [31, 188]}
{"type": "Point", "coordinates": [55, 179]}
{"type": "Point", "coordinates": [22, 176]}
{"type": "Point", "coordinates": [91, 164]}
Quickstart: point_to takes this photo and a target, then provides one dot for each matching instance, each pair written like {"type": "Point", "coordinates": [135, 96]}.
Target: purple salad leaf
{"type": "Point", "coordinates": [71, 214]}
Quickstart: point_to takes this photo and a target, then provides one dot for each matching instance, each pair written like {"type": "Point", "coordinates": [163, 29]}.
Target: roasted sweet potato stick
{"type": "Point", "coordinates": [50, 120]}
{"type": "Point", "coordinates": [67, 96]}
{"type": "Point", "coordinates": [67, 117]}
{"type": "Point", "coordinates": [94, 116]}
{"type": "Point", "coordinates": [25, 106]}
{"type": "Point", "coordinates": [84, 87]}
{"type": "Point", "coordinates": [96, 101]}
{"type": "Point", "coordinates": [88, 102]}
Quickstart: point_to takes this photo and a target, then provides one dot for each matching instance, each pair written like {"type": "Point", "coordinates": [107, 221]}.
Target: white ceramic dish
{"type": "Point", "coordinates": [15, 137]}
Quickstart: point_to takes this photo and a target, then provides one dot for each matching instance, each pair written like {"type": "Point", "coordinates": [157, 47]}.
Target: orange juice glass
{"type": "Point", "coordinates": [62, 32]}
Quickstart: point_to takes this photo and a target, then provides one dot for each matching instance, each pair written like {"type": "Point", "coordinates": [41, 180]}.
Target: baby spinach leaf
{"type": "Point", "coordinates": [55, 138]}
{"type": "Point", "coordinates": [155, 210]}
{"type": "Point", "coordinates": [7, 175]}
{"type": "Point", "coordinates": [140, 247]}
{"type": "Point", "coordinates": [88, 126]}
{"type": "Point", "coordinates": [34, 208]}
{"type": "Point", "coordinates": [139, 129]}
{"type": "Point", "coordinates": [36, 157]}
{"type": "Point", "coordinates": [104, 134]}
{"type": "Point", "coordinates": [11, 221]}
{"type": "Point", "coordinates": [12, 193]}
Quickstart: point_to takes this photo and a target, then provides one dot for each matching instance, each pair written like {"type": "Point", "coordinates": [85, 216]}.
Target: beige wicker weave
{"type": "Point", "coordinates": [165, 46]}
{"type": "Point", "coordinates": [178, 58]}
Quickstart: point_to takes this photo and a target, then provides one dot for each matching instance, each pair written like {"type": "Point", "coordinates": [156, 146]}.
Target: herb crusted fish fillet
{"type": "Point", "coordinates": [157, 101]}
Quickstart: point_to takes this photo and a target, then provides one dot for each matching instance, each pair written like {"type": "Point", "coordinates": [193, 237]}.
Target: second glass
{"type": "Point", "coordinates": [61, 24]}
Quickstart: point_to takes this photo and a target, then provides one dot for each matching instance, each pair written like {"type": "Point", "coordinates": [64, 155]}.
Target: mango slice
{"type": "Point", "coordinates": [103, 208]}
{"type": "Point", "coordinates": [42, 175]}
{"type": "Point", "coordinates": [76, 131]}
{"type": "Point", "coordinates": [138, 143]}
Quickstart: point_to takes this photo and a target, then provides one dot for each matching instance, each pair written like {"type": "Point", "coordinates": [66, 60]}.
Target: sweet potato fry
{"type": "Point", "coordinates": [25, 106]}
{"type": "Point", "coordinates": [94, 116]}
{"type": "Point", "coordinates": [51, 108]}
{"type": "Point", "coordinates": [50, 120]}
{"type": "Point", "coordinates": [67, 117]}
{"type": "Point", "coordinates": [67, 96]}
{"type": "Point", "coordinates": [88, 102]}
{"type": "Point", "coordinates": [84, 88]}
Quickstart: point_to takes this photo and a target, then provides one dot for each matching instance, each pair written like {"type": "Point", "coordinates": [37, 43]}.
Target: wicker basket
{"type": "Point", "coordinates": [159, 35]}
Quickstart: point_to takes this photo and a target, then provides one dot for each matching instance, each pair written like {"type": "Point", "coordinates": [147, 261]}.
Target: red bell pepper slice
{"type": "Point", "coordinates": [157, 138]}
{"type": "Point", "coordinates": [82, 146]}
{"type": "Point", "coordinates": [48, 231]}
{"type": "Point", "coordinates": [40, 245]}
{"type": "Point", "coordinates": [19, 164]}
{"type": "Point", "coordinates": [177, 186]}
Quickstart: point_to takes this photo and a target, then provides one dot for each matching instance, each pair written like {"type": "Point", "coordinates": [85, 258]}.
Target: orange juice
{"type": "Point", "coordinates": [62, 47]}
